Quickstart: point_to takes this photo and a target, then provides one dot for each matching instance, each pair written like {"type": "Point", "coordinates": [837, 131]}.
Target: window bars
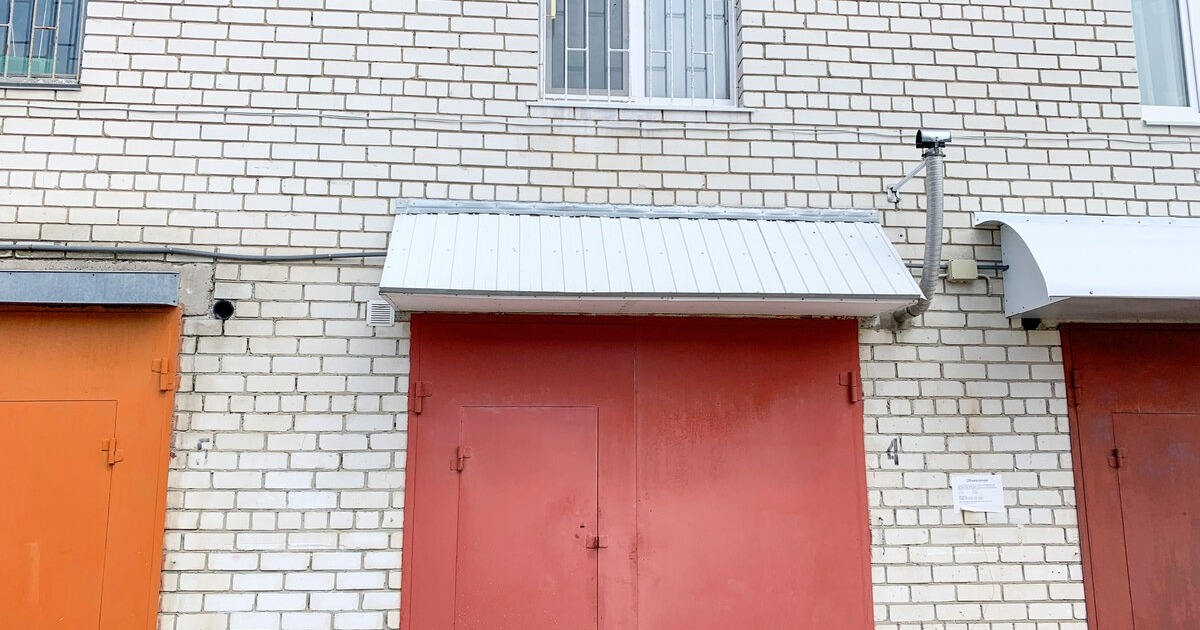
{"type": "Point", "coordinates": [42, 40]}
{"type": "Point", "coordinates": [687, 49]}
{"type": "Point", "coordinates": [633, 50]}
{"type": "Point", "coordinates": [589, 48]}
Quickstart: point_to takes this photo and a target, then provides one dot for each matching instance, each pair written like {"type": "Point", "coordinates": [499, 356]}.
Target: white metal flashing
{"type": "Point", "coordinates": [1099, 268]}
{"type": "Point", "coordinates": [555, 259]}
{"type": "Point", "coordinates": [113, 288]}
{"type": "Point", "coordinates": [439, 206]}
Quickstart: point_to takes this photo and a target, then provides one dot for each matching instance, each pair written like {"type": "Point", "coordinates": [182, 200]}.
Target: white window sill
{"type": "Point", "coordinates": [662, 107]}
{"type": "Point", "coordinates": [1179, 116]}
{"type": "Point", "coordinates": [39, 84]}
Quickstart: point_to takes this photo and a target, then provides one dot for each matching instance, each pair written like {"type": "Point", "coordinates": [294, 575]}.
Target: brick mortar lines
{"type": "Point", "coordinates": [964, 390]}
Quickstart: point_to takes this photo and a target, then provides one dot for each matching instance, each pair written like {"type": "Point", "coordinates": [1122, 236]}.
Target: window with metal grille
{"type": "Point", "coordinates": [42, 39]}
{"type": "Point", "coordinates": [652, 51]}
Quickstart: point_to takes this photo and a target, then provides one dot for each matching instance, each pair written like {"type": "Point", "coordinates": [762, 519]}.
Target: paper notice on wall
{"type": "Point", "coordinates": [978, 493]}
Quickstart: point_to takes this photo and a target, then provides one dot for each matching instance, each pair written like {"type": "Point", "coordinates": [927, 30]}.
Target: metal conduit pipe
{"type": "Point", "coordinates": [934, 163]}
{"type": "Point", "coordinates": [934, 179]}
{"type": "Point", "coordinates": [180, 251]}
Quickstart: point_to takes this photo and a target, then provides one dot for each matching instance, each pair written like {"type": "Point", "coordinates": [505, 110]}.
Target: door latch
{"type": "Point", "coordinates": [597, 542]}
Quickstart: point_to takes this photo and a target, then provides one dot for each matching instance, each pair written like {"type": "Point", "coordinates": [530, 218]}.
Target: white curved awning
{"type": "Point", "coordinates": [1099, 268]}
{"type": "Point", "coordinates": [543, 258]}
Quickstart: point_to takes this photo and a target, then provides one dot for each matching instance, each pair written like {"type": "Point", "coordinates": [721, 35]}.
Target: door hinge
{"type": "Point", "coordinates": [112, 453]}
{"type": "Point", "coordinates": [168, 376]}
{"type": "Point", "coordinates": [461, 454]}
{"type": "Point", "coordinates": [853, 384]}
{"type": "Point", "coordinates": [417, 393]}
{"type": "Point", "coordinates": [1074, 391]}
{"type": "Point", "coordinates": [1117, 458]}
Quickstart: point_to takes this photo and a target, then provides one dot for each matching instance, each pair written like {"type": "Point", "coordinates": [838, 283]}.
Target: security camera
{"type": "Point", "coordinates": [932, 138]}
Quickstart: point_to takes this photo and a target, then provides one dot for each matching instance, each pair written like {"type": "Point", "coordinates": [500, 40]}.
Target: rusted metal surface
{"type": "Point", "coordinates": [635, 473]}
{"type": "Point", "coordinates": [1135, 423]}
{"type": "Point", "coordinates": [1161, 511]}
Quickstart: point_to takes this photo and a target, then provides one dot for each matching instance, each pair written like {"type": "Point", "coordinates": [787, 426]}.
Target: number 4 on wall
{"type": "Point", "coordinates": [893, 451]}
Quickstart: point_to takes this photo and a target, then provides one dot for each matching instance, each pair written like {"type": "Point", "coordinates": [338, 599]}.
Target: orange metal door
{"type": "Point", "coordinates": [527, 523]}
{"type": "Point", "coordinates": [728, 474]}
{"type": "Point", "coordinates": [1135, 428]}
{"type": "Point", "coordinates": [85, 409]}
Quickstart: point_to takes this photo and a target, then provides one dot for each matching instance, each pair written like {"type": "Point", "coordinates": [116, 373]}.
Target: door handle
{"type": "Point", "coordinates": [597, 542]}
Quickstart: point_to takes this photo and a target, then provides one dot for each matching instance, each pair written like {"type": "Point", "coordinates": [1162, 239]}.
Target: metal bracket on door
{"type": "Point", "coordinates": [1116, 458]}
{"type": "Point", "coordinates": [461, 454]}
{"type": "Point", "coordinates": [112, 453]}
{"type": "Point", "coordinates": [853, 384]}
{"type": "Point", "coordinates": [597, 542]}
{"type": "Point", "coordinates": [168, 377]}
{"type": "Point", "coordinates": [417, 393]}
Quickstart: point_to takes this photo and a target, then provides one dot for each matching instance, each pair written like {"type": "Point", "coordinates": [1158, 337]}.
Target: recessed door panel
{"type": "Point", "coordinates": [1160, 507]}
{"type": "Point", "coordinates": [527, 527]}
{"type": "Point", "coordinates": [56, 495]}
{"type": "Point", "coordinates": [520, 362]}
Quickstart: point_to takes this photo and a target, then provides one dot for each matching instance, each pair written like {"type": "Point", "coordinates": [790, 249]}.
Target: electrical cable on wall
{"type": "Point", "coordinates": [204, 115]}
{"type": "Point", "coordinates": [180, 251]}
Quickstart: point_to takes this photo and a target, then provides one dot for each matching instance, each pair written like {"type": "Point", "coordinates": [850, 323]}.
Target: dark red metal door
{"type": "Point", "coordinates": [1135, 428]}
{"type": "Point", "coordinates": [1158, 468]}
{"type": "Point", "coordinates": [625, 473]}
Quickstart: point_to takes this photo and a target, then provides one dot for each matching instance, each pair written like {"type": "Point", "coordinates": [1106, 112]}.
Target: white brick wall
{"type": "Point", "coordinates": [286, 488]}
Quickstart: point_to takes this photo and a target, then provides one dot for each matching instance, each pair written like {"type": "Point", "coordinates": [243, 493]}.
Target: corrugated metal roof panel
{"type": "Point", "coordinates": [483, 257]}
{"type": "Point", "coordinates": [1099, 268]}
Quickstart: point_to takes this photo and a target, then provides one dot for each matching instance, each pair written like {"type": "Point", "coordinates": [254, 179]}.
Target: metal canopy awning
{"type": "Point", "coordinates": [531, 258]}
{"type": "Point", "coordinates": [1099, 269]}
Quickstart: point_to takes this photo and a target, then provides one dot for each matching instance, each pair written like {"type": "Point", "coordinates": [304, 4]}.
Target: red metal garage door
{"type": "Point", "coordinates": [648, 473]}
{"type": "Point", "coordinates": [1136, 427]}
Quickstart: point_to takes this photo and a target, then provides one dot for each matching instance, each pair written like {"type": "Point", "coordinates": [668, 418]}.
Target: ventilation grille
{"type": "Point", "coordinates": [380, 313]}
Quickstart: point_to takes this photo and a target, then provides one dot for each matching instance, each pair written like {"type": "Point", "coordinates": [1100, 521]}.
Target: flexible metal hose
{"type": "Point", "coordinates": [934, 179]}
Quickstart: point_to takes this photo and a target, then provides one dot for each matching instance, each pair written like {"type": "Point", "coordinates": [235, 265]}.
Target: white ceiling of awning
{"type": "Point", "coordinates": [542, 258]}
{"type": "Point", "coordinates": [1099, 268]}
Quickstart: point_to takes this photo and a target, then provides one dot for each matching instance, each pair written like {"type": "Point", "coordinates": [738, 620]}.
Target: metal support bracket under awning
{"type": "Point", "coordinates": [557, 258]}
{"type": "Point", "coordinates": [1099, 268]}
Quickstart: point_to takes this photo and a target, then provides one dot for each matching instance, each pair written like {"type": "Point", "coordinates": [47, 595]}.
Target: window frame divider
{"type": "Point", "coordinates": [637, 49]}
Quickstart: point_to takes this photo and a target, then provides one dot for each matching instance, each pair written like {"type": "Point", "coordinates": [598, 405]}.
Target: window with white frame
{"type": "Point", "coordinates": [664, 52]}
{"type": "Point", "coordinates": [43, 41]}
{"type": "Point", "coordinates": [1163, 37]}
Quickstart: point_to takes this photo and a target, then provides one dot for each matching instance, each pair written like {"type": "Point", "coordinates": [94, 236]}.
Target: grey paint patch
{"type": "Point", "coordinates": [125, 288]}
